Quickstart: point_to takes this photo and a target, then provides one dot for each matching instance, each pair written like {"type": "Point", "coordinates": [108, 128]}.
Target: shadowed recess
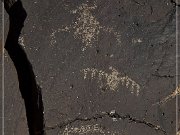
{"type": "Point", "coordinates": [30, 91]}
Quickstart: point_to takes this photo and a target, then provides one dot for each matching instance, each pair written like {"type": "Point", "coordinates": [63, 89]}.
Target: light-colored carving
{"type": "Point", "coordinates": [86, 27]}
{"type": "Point", "coordinates": [88, 130]}
{"type": "Point", "coordinates": [169, 97]}
{"type": "Point", "coordinates": [112, 80]}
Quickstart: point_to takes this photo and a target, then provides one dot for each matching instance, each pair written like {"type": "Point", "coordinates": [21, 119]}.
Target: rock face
{"type": "Point", "coordinates": [104, 66]}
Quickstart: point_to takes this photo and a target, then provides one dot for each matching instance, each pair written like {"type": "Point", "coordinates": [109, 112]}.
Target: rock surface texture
{"type": "Point", "coordinates": [105, 67]}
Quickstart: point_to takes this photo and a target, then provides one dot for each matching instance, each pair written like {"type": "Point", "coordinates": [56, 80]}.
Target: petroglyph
{"type": "Point", "coordinates": [88, 129]}
{"type": "Point", "coordinates": [83, 129]}
{"type": "Point", "coordinates": [111, 80]}
{"type": "Point", "coordinates": [169, 97]}
{"type": "Point", "coordinates": [86, 27]}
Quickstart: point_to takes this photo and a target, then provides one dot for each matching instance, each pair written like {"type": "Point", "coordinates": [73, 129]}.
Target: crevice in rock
{"type": "Point", "coordinates": [163, 76]}
{"type": "Point", "coordinates": [30, 91]}
{"type": "Point", "coordinates": [174, 3]}
{"type": "Point", "coordinates": [112, 115]}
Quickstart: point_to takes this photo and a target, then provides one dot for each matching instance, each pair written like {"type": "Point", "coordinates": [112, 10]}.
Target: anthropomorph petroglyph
{"type": "Point", "coordinates": [86, 27]}
{"type": "Point", "coordinates": [111, 80]}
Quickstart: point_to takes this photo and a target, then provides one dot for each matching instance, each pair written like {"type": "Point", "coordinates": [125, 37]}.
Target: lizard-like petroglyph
{"type": "Point", "coordinates": [86, 27]}
{"type": "Point", "coordinates": [111, 80]}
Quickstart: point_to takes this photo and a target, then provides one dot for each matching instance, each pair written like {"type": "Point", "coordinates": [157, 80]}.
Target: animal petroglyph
{"type": "Point", "coordinates": [86, 27]}
{"type": "Point", "coordinates": [111, 80]}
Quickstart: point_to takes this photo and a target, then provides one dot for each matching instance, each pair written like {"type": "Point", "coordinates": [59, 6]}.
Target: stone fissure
{"type": "Point", "coordinates": [112, 115]}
